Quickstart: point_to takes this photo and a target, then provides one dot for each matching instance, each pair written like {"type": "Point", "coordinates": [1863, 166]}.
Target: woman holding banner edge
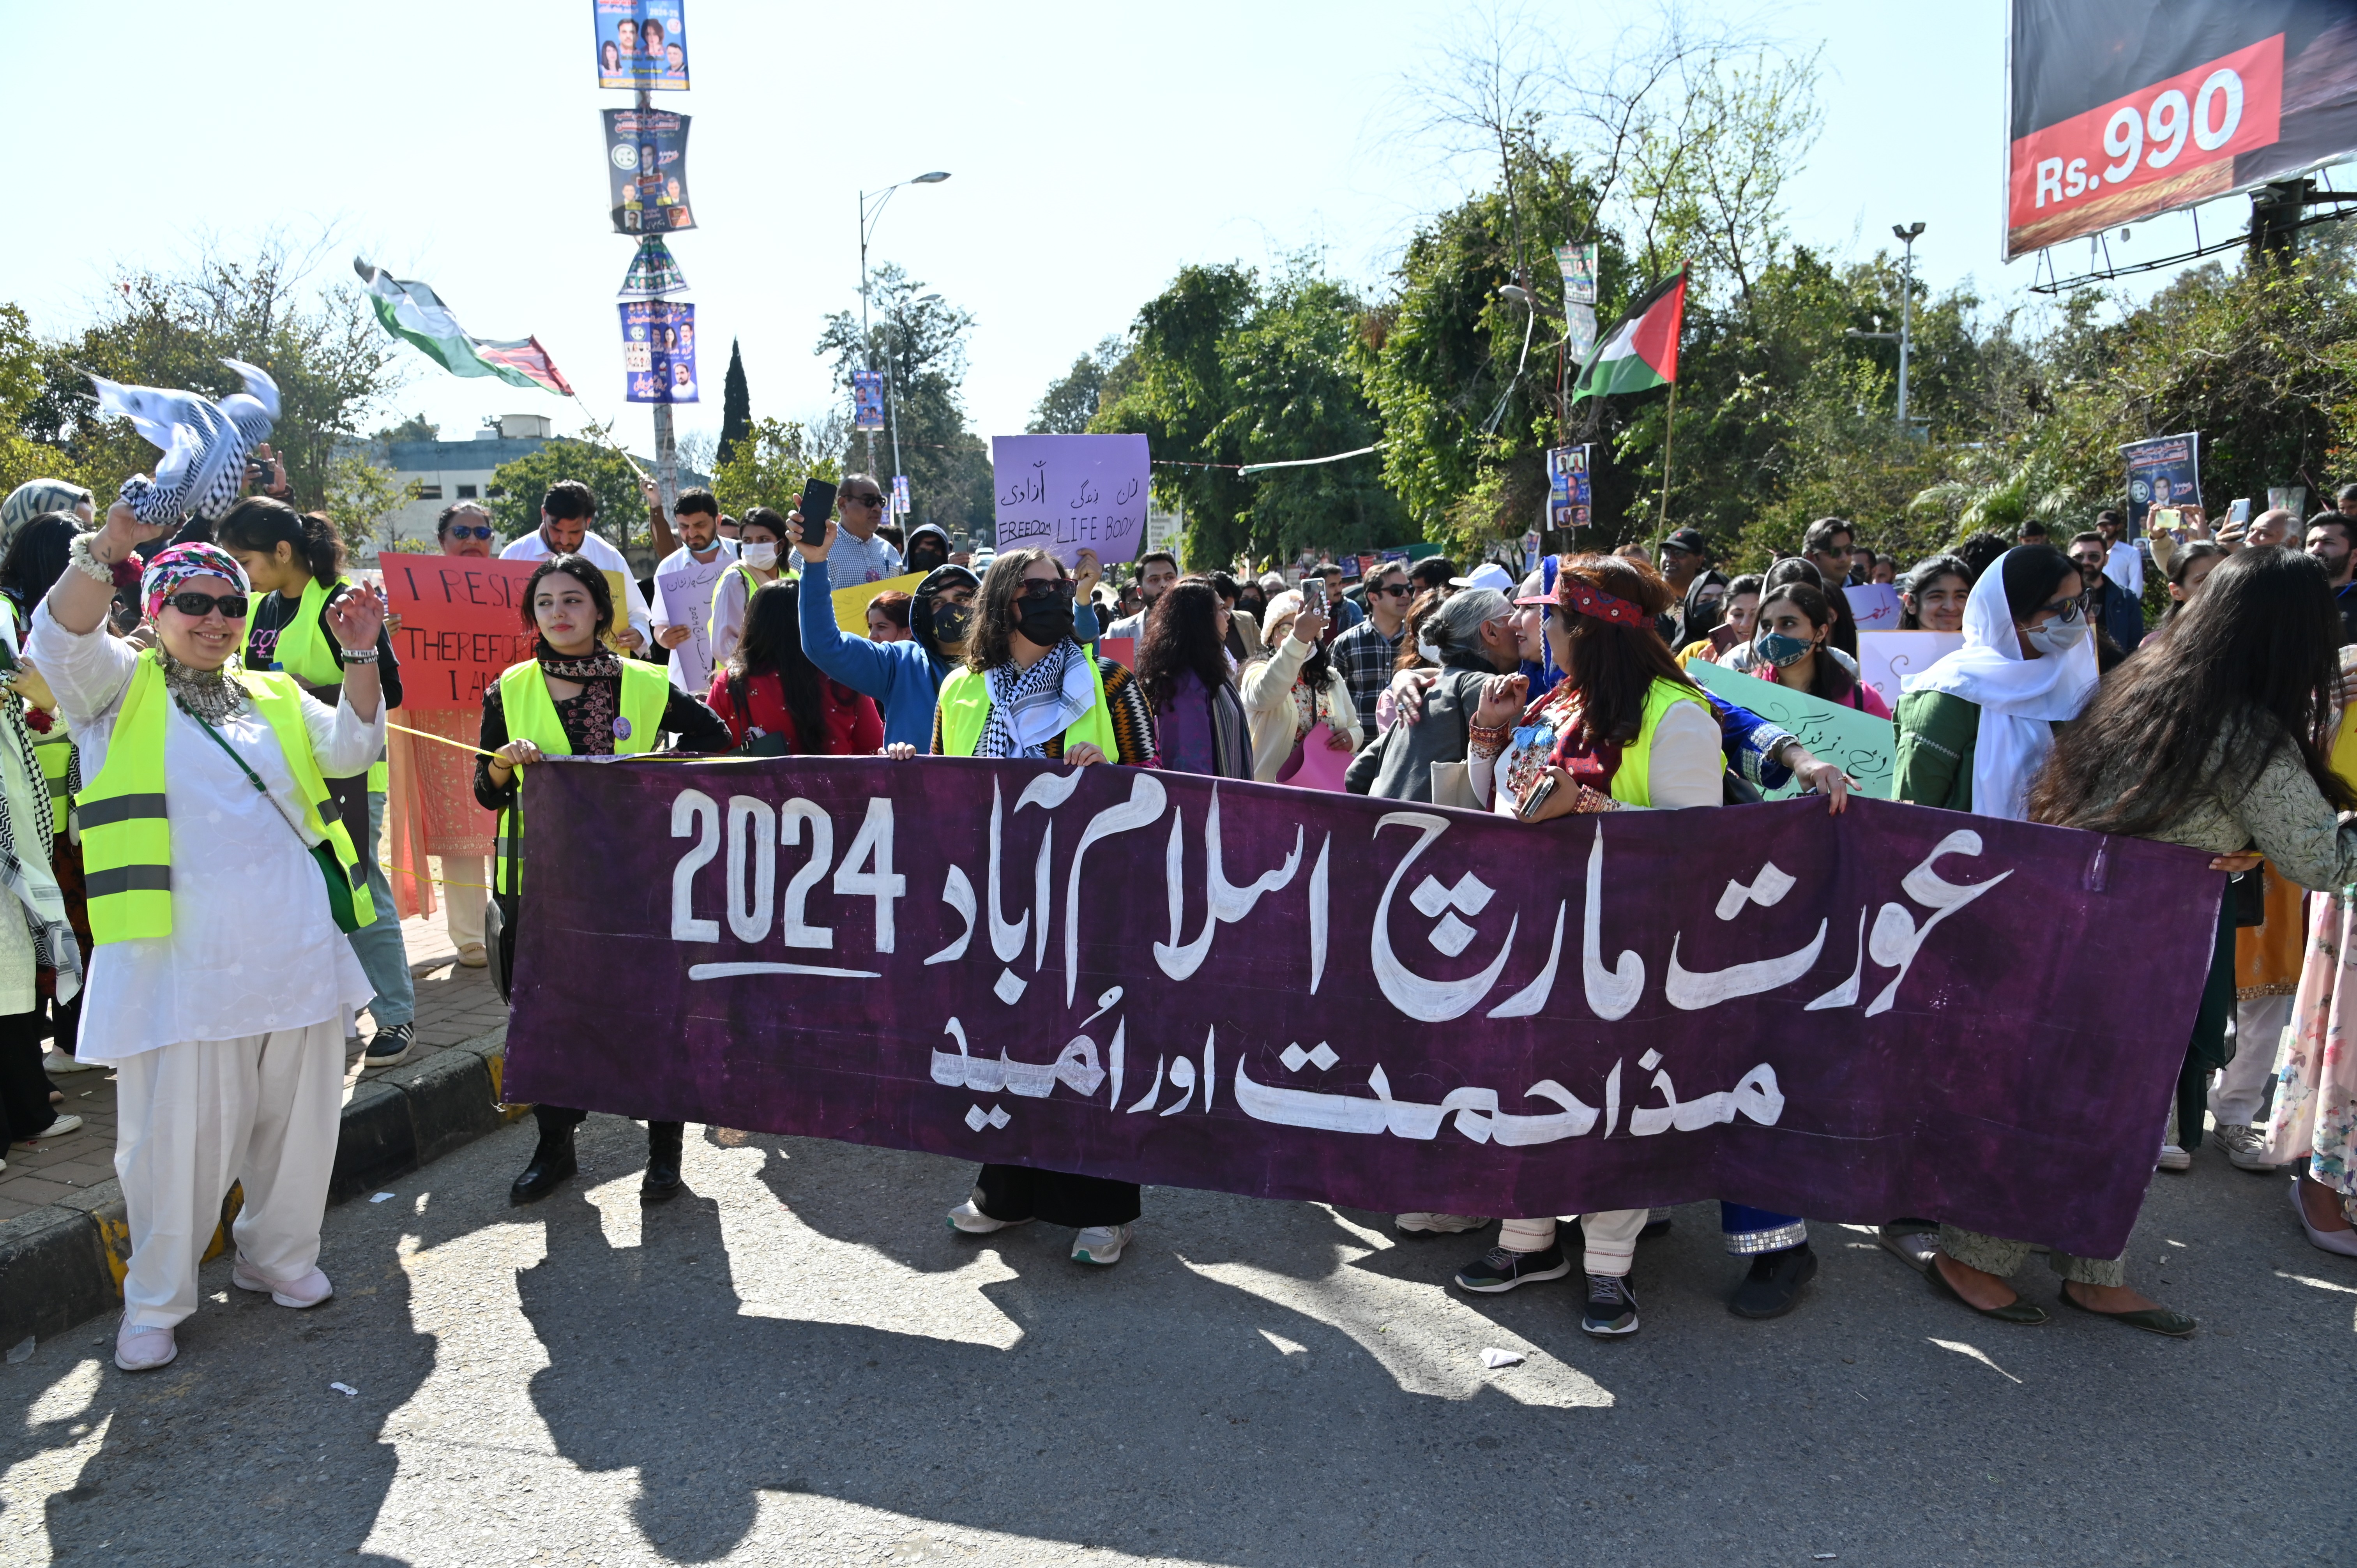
{"type": "Point", "coordinates": [574, 699]}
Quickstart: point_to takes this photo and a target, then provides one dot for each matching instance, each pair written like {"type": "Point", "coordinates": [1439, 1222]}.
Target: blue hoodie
{"type": "Point", "coordinates": [902, 676]}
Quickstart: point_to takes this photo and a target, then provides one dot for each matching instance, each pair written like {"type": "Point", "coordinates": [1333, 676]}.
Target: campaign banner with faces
{"type": "Point", "coordinates": [646, 171]}
{"type": "Point", "coordinates": [641, 43]}
{"type": "Point", "coordinates": [659, 350]}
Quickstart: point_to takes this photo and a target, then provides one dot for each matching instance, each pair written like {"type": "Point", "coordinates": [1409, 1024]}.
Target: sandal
{"type": "Point", "coordinates": [2151, 1319]}
{"type": "Point", "coordinates": [2014, 1311]}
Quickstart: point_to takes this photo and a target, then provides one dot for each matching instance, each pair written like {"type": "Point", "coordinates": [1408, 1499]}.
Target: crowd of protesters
{"type": "Point", "coordinates": [217, 698]}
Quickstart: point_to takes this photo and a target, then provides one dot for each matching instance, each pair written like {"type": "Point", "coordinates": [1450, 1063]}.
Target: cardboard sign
{"type": "Point", "coordinates": [1070, 494]}
{"type": "Point", "coordinates": [1122, 651]}
{"type": "Point", "coordinates": [461, 624]}
{"type": "Point", "coordinates": [851, 603]}
{"type": "Point", "coordinates": [1864, 746]}
{"type": "Point", "coordinates": [1874, 605]}
{"type": "Point", "coordinates": [1885, 659]}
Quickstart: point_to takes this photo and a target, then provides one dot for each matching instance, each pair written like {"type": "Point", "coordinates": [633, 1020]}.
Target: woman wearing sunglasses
{"type": "Point", "coordinates": [1029, 690]}
{"type": "Point", "coordinates": [221, 885]}
{"type": "Point", "coordinates": [296, 565]}
{"type": "Point", "coordinates": [465, 529]}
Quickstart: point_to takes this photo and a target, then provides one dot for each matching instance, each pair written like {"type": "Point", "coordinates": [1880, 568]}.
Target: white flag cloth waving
{"type": "Point", "coordinates": [205, 444]}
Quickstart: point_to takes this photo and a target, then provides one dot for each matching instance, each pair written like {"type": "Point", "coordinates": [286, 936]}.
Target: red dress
{"type": "Point", "coordinates": [854, 727]}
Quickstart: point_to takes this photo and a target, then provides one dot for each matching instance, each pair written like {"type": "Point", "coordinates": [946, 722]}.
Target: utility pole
{"type": "Point", "coordinates": [666, 447]}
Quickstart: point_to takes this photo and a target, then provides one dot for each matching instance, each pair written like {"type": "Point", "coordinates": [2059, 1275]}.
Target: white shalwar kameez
{"type": "Point", "coordinates": [227, 1035]}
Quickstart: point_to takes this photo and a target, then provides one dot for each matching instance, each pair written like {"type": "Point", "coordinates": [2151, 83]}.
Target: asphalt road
{"type": "Point", "coordinates": [798, 1363]}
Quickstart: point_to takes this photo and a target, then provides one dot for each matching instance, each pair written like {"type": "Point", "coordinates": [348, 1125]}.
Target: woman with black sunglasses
{"type": "Point", "coordinates": [221, 884]}
{"type": "Point", "coordinates": [1029, 690]}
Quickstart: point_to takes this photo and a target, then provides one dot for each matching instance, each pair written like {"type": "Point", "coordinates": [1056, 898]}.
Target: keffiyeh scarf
{"type": "Point", "coordinates": [38, 902]}
{"type": "Point", "coordinates": [205, 444]}
{"type": "Point", "coordinates": [30, 499]}
{"type": "Point", "coordinates": [1028, 708]}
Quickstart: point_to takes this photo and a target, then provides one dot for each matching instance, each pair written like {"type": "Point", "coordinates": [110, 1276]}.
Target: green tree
{"type": "Point", "coordinates": [918, 339]}
{"type": "Point", "coordinates": [621, 514]}
{"type": "Point", "coordinates": [20, 385]}
{"type": "Point", "coordinates": [769, 465]}
{"type": "Point", "coordinates": [361, 494]}
{"type": "Point", "coordinates": [736, 404]}
{"type": "Point", "coordinates": [1074, 398]}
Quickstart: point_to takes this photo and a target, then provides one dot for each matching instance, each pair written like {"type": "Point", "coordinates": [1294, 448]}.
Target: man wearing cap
{"type": "Point", "coordinates": [1368, 652]}
{"type": "Point", "coordinates": [1489, 574]}
{"type": "Point", "coordinates": [1700, 586]}
{"type": "Point", "coordinates": [1474, 629]}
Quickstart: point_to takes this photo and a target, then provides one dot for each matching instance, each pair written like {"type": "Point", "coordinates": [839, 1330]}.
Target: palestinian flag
{"type": "Point", "coordinates": [415, 314]}
{"type": "Point", "coordinates": [1643, 352]}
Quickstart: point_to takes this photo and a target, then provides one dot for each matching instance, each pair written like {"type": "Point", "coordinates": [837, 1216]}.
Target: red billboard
{"type": "Point", "coordinates": [2121, 109]}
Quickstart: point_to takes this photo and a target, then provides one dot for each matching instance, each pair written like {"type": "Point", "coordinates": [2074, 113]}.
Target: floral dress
{"type": "Point", "coordinates": [2315, 1088]}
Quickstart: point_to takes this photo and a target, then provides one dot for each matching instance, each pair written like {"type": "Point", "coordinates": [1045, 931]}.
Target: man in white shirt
{"type": "Point", "coordinates": [858, 554]}
{"type": "Point", "coordinates": [683, 584]}
{"type": "Point", "coordinates": [1157, 571]}
{"type": "Point", "coordinates": [564, 514]}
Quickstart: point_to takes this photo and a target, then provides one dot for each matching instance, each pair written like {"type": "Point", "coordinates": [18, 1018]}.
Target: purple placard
{"type": "Point", "coordinates": [1298, 994]}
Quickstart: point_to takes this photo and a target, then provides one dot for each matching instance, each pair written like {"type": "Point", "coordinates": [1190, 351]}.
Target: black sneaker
{"type": "Point", "coordinates": [1773, 1288]}
{"type": "Point", "coordinates": [1503, 1268]}
{"type": "Point", "coordinates": [390, 1048]}
{"type": "Point", "coordinates": [1611, 1308]}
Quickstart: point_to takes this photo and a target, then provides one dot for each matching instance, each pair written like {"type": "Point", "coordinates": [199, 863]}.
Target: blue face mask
{"type": "Point", "coordinates": [1777, 649]}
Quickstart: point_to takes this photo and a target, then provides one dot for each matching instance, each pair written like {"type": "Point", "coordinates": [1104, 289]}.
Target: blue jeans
{"type": "Point", "coordinates": [384, 956]}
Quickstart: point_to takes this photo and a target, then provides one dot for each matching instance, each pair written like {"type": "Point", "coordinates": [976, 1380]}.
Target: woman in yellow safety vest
{"type": "Point", "coordinates": [761, 561]}
{"type": "Point", "coordinates": [296, 565]}
{"type": "Point", "coordinates": [1029, 690]}
{"type": "Point", "coordinates": [221, 885]}
{"type": "Point", "coordinates": [574, 698]}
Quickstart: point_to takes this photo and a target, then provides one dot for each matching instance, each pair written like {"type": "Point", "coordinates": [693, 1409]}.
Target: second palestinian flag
{"type": "Point", "coordinates": [1643, 352]}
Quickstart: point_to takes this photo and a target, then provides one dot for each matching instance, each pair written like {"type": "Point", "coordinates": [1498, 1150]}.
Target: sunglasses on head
{"type": "Point", "coordinates": [460, 530]}
{"type": "Point", "coordinates": [1047, 588]}
{"type": "Point", "coordinates": [196, 606]}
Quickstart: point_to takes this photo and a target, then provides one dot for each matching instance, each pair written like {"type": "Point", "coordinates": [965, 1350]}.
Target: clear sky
{"type": "Point", "coordinates": [1093, 150]}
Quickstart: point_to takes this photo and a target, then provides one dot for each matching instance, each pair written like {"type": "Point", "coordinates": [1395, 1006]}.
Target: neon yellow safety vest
{"type": "Point", "coordinates": [1632, 780]}
{"type": "Point", "coordinates": [55, 752]}
{"type": "Point", "coordinates": [302, 652]}
{"type": "Point", "coordinates": [531, 716]}
{"type": "Point", "coordinates": [965, 706]}
{"type": "Point", "coordinates": [752, 585]}
{"type": "Point", "coordinates": [127, 840]}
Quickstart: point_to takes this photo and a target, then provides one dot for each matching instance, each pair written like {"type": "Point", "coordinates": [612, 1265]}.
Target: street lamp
{"type": "Point", "coordinates": [1907, 234]}
{"type": "Point", "coordinates": [867, 226]}
{"type": "Point", "coordinates": [1515, 294]}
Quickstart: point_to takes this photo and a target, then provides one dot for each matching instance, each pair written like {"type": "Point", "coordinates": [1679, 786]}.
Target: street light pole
{"type": "Point", "coordinates": [867, 342]}
{"type": "Point", "coordinates": [1904, 337]}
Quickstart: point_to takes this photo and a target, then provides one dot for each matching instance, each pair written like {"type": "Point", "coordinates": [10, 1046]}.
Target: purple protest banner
{"type": "Point", "coordinates": [1298, 994]}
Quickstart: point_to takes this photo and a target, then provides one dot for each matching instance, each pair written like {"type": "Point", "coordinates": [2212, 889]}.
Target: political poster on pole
{"type": "Point", "coordinates": [646, 171]}
{"type": "Point", "coordinates": [900, 495]}
{"type": "Point", "coordinates": [1070, 494]}
{"type": "Point", "coordinates": [2163, 471]}
{"type": "Point", "coordinates": [1567, 474]}
{"type": "Point", "coordinates": [867, 400]}
{"type": "Point", "coordinates": [642, 44]}
{"type": "Point", "coordinates": [659, 350]}
{"type": "Point", "coordinates": [1578, 263]}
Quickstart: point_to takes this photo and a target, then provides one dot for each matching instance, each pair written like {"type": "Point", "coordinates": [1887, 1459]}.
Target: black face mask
{"type": "Point", "coordinates": [1046, 621]}
{"type": "Point", "coordinates": [924, 559]}
{"type": "Point", "coordinates": [951, 623]}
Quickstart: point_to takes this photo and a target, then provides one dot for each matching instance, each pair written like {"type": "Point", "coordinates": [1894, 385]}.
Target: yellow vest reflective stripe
{"type": "Point", "coordinates": [126, 838]}
{"type": "Point", "coordinates": [965, 706]}
{"type": "Point", "coordinates": [302, 652]}
{"type": "Point", "coordinates": [531, 716]}
{"type": "Point", "coordinates": [1632, 780]}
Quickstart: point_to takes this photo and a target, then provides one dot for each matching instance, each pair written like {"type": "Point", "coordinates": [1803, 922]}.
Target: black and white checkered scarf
{"type": "Point", "coordinates": [1028, 708]}
{"type": "Point", "coordinates": [42, 907]}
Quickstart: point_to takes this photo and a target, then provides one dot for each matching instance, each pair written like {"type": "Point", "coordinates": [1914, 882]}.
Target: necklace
{"type": "Point", "coordinates": [209, 695]}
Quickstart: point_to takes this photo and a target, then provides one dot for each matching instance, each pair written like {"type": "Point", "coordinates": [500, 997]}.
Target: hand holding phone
{"type": "Point", "coordinates": [1313, 594]}
{"type": "Point", "coordinates": [816, 506]}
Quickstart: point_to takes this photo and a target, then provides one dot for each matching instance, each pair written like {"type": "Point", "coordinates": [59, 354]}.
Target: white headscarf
{"type": "Point", "coordinates": [2018, 698]}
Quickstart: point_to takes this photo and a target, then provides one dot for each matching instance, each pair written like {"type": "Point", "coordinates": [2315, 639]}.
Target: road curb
{"type": "Point", "coordinates": [63, 1265]}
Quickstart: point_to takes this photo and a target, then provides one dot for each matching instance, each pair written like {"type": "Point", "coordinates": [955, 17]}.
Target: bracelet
{"type": "Point", "coordinates": [1492, 736]}
{"type": "Point", "coordinates": [358, 655]}
{"type": "Point", "coordinates": [79, 556]}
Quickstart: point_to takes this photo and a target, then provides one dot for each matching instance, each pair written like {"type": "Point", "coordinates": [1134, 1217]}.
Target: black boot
{"type": "Point", "coordinates": [551, 1164]}
{"type": "Point", "coordinates": [1773, 1288]}
{"type": "Point", "coordinates": [662, 1179]}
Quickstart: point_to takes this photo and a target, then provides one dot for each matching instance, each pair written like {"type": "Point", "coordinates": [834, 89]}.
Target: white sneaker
{"type": "Point", "coordinates": [1102, 1244]}
{"type": "Point", "coordinates": [309, 1291]}
{"type": "Point", "coordinates": [143, 1349]}
{"type": "Point", "coordinates": [1421, 1223]}
{"type": "Point", "coordinates": [59, 1062]}
{"type": "Point", "coordinates": [472, 956]}
{"type": "Point", "coordinates": [2173, 1158]}
{"type": "Point", "coordinates": [968, 1217]}
{"type": "Point", "coordinates": [2245, 1149]}
{"type": "Point", "coordinates": [57, 1129]}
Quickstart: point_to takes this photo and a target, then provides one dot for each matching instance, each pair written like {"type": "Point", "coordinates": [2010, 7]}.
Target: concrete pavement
{"type": "Point", "coordinates": [797, 1363]}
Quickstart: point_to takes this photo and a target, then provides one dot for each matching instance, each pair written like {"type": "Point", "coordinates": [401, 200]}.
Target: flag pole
{"type": "Point", "coordinates": [606, 433]}
{"type": "Point", "coordinates": [1669, 435]}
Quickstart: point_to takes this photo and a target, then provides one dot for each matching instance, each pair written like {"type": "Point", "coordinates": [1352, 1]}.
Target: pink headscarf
{"type": "Point", "coordinates": [183, 561]}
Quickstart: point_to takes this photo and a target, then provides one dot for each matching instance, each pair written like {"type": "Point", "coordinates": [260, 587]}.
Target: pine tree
{"type": "Point", "coordinates": [736, 404]}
